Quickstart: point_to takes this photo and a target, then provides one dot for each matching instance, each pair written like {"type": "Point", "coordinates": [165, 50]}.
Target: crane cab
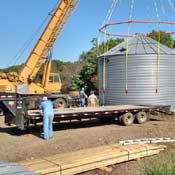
{"type": "Point", "coordinates": [54, 83]}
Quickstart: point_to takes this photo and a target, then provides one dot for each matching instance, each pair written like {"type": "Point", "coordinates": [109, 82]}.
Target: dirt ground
{"type": "Point", "coordinates": [18, 145]}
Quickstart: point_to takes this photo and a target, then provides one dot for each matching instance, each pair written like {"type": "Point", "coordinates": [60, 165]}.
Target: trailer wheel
{"type": "Point", "coordinates": [141, 117]}
{"type": "Point", "coordinates": [59, 103]}
{"type": "Point", "coordinates": [120, 119]}
{"type": "Point", "coordinates": [127, 119]}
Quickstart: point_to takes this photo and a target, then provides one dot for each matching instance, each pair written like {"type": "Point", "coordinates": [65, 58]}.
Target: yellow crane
{"type": "Point", "coordinates": [23, 83]}
{"type": "Point", "coordinates": [16, 89]}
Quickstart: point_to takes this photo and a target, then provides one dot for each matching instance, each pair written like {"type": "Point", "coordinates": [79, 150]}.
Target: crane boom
{"type": "Point", "coordinates": [45, 43]}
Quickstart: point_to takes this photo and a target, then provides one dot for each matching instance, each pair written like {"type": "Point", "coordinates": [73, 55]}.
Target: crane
{"type": "Point", "coordinates": [23, 83]}
{"type": "Point", "coordinates": [21, 86]}
{"type": "Point", "coordinates": [14, 83]}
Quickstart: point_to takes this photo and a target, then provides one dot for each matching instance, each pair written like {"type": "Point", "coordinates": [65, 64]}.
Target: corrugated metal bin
{"type": "Point", "coordinates": [143, 75]}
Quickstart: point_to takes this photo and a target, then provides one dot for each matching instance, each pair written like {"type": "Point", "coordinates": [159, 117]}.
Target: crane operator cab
{"type": "Point", "coordinates": [54, 78]}
{"type": "Point", "coordinates": [54, 83]}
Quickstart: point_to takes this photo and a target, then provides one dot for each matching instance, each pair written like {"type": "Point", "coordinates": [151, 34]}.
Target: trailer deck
{"type": "Point", "coordinates": [87, 111]}
{"type": "Point", "coordinates": [125, 114]}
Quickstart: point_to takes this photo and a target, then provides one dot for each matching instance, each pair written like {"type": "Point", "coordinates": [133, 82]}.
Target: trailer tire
{"type": "Point", "coordinates": [60, 103]}
{"type": "Point", "coordinates": [141, 117]}
{"type": "Point", "coordinates": [120, 120]}
{"type": "Point", "coordinates": [127, 119]}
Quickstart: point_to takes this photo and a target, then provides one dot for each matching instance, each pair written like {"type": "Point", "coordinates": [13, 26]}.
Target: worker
{"type": "Point", "coordinates": [92, 99]}
{"type": "Point", "coordinates": [83, 97]}
{"type": "Point", "coordinates": [48, 115]}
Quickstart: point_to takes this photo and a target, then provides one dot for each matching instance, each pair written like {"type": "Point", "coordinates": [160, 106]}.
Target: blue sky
{"type": "Point", "coordinates": [21, 18]}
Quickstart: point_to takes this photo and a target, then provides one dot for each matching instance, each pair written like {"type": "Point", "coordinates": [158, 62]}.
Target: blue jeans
{"type": "Point", "coordinates": [48, 126]}
{"type": "Point", "coordinates": [82, 102]}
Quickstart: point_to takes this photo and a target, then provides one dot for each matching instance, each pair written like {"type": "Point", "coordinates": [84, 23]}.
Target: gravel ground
{"type": "Point", "coordinates": [25, 145]}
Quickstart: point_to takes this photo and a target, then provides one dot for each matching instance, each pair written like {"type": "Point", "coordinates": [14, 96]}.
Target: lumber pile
{"type": "Point", "coordinates": [89, 159]}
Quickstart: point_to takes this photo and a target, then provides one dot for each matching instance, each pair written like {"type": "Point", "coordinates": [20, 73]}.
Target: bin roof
{"type": "Point", "coordinates": [139, 44]}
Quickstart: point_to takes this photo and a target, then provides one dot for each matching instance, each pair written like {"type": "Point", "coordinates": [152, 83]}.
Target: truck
{"type": "Point", "coordinates": [20, 95]}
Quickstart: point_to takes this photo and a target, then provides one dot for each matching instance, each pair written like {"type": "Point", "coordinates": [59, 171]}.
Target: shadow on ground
{"type": "Point", "coordinates": [38, 129]}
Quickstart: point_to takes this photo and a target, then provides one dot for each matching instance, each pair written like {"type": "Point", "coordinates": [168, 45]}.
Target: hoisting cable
{"type": "Point", "coordinates": [158, 47]}
{"type": "Point", "coordinates": [172, 6]}
{"type": "Point", "coordinates": [115, 4]}
{"type": "Point", "coordinates": [114, 7]}
{"type": "Point", "coordinates": [127, 46]}
{"type": "Point", "coordinates": [148, 12]}
{"type": "Point", "coordinates": [164, 15]}
{"type": "Point", "coordinates": [76, 3]}
{"type": "Point", "coordinates": [26, 45]}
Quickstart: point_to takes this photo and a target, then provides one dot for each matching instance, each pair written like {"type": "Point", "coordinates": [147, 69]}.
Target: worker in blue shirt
{"type": "Point", "coordinates": [48, 115]}
{"type": "Point", "coordinates": [83, 97]}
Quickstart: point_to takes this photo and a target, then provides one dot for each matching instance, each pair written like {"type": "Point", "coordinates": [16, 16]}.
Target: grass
{"type": "Point", "coordinates": [160, 170]}
{"type": "Point", "coordinates": [163, 164]}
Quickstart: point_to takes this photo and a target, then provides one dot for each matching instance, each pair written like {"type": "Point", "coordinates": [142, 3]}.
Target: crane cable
{"type": "Point", "coordinates": [111, 11]}
{"type": "Point", "coordinates": [148, 12]}
{"type": "Point", "coordinates": [115, 4]}
{"type": "Point", "coordinates": [26, 45]}
{"type": "Point", "coordinates": [115, 7]}
{"type": "Point", "coordinates": [127, 46]}
{"type": "Point", "coordinates": [158, 47]}
{"type": "Point", "coordinates": [172, 6]}
{"type": "Point", "coordinates": [164, 14]}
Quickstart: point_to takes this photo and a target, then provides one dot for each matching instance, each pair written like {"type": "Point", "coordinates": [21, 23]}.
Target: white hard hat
{"type": "Point", "coordinates": [44, 98]}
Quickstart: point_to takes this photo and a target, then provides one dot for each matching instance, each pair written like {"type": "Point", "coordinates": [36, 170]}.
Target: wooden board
{"type": "Point", "coordinates": [89, 159]}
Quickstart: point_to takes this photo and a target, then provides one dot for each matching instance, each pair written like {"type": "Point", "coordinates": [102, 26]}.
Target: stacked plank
{"type": "Point", "coordinates": [89, 159]}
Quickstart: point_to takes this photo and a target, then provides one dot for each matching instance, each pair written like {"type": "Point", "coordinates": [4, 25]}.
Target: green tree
{"type": "Point", "coordinates": [87, 77]}
{"type": "Point", "coordinates": [15, 68]}
{"type": "Point", "coordinates": [165, 38]}
{"type": "Point", "coordinates": [76, 83]}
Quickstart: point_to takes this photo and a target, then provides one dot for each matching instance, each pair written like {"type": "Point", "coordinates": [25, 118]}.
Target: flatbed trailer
{"type": "Point", "coordinates": [126, 114]}
{"type": "Point", "coordinates": [17, 111]}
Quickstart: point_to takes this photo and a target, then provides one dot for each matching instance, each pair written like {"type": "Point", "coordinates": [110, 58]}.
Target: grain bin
{"type": "Point", "coordinates": [146, 85]}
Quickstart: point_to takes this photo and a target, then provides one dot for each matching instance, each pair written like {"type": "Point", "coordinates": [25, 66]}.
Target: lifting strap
{"type": "Point", "coordinates": [127, 46]}
{"type": "Point", "coordinates": [158, 47]}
